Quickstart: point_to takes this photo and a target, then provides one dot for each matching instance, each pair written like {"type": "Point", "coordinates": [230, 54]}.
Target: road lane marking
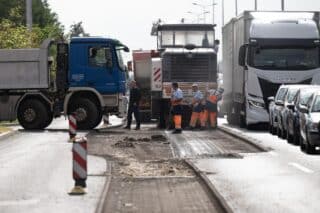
{"type": "Point", "coordinates": [301, 168]}
{"type": "Point", "coordinates": [19, 202]}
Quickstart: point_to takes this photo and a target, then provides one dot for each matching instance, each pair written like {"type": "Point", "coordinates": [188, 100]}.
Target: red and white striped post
{"type": "Point", "coordinates": [72, 127]}
{"type": "Point", "coordinates": [79, 153]}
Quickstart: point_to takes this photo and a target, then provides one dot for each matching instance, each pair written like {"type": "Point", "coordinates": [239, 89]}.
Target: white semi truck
{"type": "Point", "coordinates": [261, 51]}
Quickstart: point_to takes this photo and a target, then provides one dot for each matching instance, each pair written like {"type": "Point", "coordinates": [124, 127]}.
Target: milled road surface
{"type": "Point", "coordinates": [145, 177]}
{"type": "Point", "coordinates": [36, 173]}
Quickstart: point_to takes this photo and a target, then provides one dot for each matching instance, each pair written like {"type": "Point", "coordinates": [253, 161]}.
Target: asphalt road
{"type": "Point", "coordinates": [283, 179]}
{"type": "Point", "coordinates": [36, 173]}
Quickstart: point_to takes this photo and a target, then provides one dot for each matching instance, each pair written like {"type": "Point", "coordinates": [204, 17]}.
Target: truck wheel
{"type": "Point", "coordinates": [88, 114]}
{"type": "Point", "coordinates": [33, 114]}
{"type": "Point", "coordinates": [49, 120]}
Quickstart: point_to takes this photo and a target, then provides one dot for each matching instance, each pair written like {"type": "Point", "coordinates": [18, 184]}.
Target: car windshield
{"type": "Point", "coordinates": [271, 58]}
{"type": "Point", "coordinates": [291, 95]}
{"type": "Point", "coordinates": [305, 97]}
{"type": "Point", "coordinates": [316, 104]}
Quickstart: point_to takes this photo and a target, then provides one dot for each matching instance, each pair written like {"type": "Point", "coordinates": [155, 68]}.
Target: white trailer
{"type": "Point", "coordinates": [261, 51]}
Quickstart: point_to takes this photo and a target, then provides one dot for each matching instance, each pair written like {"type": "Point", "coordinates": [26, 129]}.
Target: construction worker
{"type": "Point", "coordinates": [176, 101]}
{"type": "Point", "coordinates": [197, 108]}
{"type": "Point", "coordinates": [211, 106]}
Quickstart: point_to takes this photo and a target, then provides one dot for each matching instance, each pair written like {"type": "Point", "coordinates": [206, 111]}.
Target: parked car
{"type": "Point", "coordinates": [300, 99]}
{"type": "Point", "coordinates": [275, 108]}
{"type": "Point", "coordinates": [309, 124]}
{"type": "Point", "coordinates": [284, 110]}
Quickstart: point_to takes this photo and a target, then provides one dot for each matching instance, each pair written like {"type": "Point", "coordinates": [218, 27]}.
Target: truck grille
{"type": "Point", "coordinates": [189, 68]}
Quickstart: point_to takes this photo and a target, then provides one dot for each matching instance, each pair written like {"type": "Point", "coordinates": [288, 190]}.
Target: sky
{"type": "Point", "coordinates": [130, 21]}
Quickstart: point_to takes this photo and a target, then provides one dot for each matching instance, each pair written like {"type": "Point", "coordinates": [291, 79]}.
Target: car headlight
{"type": "Point", "coordinates": [313, 127]}
{"type": "Point", "coordinates": [255, 104]}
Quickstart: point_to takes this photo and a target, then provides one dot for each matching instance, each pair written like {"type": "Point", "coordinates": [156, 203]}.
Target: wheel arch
{"type": "Point", "coordinates": [38, 96]}
{"type": "Point", "coordinates": [90, 93]}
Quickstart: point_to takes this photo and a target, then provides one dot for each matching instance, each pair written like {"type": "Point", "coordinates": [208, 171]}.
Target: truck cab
{"type": "Point", "coordinates": [270, 49]}
{"type": "Point", "coordinates": [97, 63]}
{"type": "Point", "coordinates": [188, 55]}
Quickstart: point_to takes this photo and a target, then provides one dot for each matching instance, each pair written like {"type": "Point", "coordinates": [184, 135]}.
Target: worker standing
{"type": "Point", "coordinates": [197, 109]}
{"type": "Point", "coordinates": [176, 103]}
{"type": "Point", "coordinates": [211, 106]}
{"type": "Point", "coordinates": [134, 100]}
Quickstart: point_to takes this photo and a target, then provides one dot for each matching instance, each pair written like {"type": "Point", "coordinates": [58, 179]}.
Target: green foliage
{"type": "Point", "coordinates": [14, 34]}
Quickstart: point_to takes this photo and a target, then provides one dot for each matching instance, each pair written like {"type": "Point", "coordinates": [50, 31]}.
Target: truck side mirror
{"type": "Point", "coordinates": [126, 49]}
{"type": "Point", "coordinates": [242, 55]}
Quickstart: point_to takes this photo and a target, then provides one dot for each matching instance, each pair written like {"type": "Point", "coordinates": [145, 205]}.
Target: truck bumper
{"type": "Point", "coordinates": [257, 115]}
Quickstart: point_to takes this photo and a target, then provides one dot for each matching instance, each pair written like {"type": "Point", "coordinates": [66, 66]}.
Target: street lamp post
{"type": "Point", "coordinates": [204, 9]}
{"type": "Point", "coordinates": [236, 5]}
{"type": "Point", "coordinates": [29, 14]}
{"type": "Point", "coordinates": [222, 12]}
{"type": "Point", "coordinates": [198, 15]}
{"type": "Point", "coordinates": [282, 5]}
{"type": "Point", "coordinates": [213, 6]}
{"type": "Point", "coordinates": [256, 5]}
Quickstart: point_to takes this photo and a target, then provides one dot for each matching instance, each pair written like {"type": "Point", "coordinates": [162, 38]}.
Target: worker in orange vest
{"type": "Point", "coordinates": [197, 109]}
{"type": "Point", "coordinates": [176, 103]}
{"type": "Point", "coordinates": [211, 106]}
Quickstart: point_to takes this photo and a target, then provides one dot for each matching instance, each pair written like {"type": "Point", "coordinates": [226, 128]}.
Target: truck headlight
{"type": "Point", "coordinates": [255, 104]}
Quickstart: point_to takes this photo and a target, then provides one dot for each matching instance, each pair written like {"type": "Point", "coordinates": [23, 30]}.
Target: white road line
{"type": "Point", "coordinates": [19, 202]}
{"type": "Point", "coordinates": [301, 168]}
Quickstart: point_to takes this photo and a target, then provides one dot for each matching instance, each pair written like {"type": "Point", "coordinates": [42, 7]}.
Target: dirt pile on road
{"type": "Point", "coordinates": [145, 153]}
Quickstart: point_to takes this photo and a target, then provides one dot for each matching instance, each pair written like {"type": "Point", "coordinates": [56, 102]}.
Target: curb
{"type": "Point", "coordinates": [250, 141]}
{"type": "Point", "coordinates": [103, 196]}
{"type": "Point", "coordinates": [213, 191]}
{"type": "Point", "coordinates": [8, 134]}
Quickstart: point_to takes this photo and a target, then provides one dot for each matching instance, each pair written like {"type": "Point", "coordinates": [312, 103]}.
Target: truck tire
{"type": "Point", "coordinates": [88, 114]}
{"type": "Point", "coordinates": [49, 120]}
{"type": "Point", "coordinates": [33, 115]}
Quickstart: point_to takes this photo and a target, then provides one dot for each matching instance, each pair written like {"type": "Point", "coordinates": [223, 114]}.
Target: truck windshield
{"type": "Point", "coordinates": [120, 53]}
{"type": "Point", "coordinates": [300, 58]}
{"type": "Point", "coordinates": [182, 38]}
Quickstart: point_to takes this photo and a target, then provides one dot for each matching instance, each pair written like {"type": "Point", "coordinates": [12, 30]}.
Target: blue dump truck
{"type": "Point", "coordinates": [86, 76]}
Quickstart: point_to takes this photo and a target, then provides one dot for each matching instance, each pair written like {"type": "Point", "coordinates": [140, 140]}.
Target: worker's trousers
{"type": "Point", "coordinates": [198, 116]}
{"type": "Point", "coordinates": [211, 117]}
{"type": "Point", "coordinates": [177, 116]}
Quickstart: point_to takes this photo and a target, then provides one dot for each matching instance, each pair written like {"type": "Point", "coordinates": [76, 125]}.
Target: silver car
{"type": "Point", "coordinates": [275, 108]}
{"type": "Point", "coordinates": [309, 124]}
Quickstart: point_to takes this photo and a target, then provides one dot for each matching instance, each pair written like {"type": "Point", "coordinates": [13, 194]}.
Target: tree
{"type": "Point", "coordinates": [77, 30]}
{"type": "Point", "coordinates": [13, 33]}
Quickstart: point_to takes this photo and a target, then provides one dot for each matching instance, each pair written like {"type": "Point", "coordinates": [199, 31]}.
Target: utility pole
{"type": "Point", "coordinates": [236, 4]}
{"type": "Point", "coordinates": [222, 12]}
{"type": "Point", "coordinates": [282, 5]}
{"type": "Point", "coordinates": [213, 5]}
{"type": "Point", "coordinates": [29, 14]}
{"type": "Point", "coordinates": [255, 5]}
